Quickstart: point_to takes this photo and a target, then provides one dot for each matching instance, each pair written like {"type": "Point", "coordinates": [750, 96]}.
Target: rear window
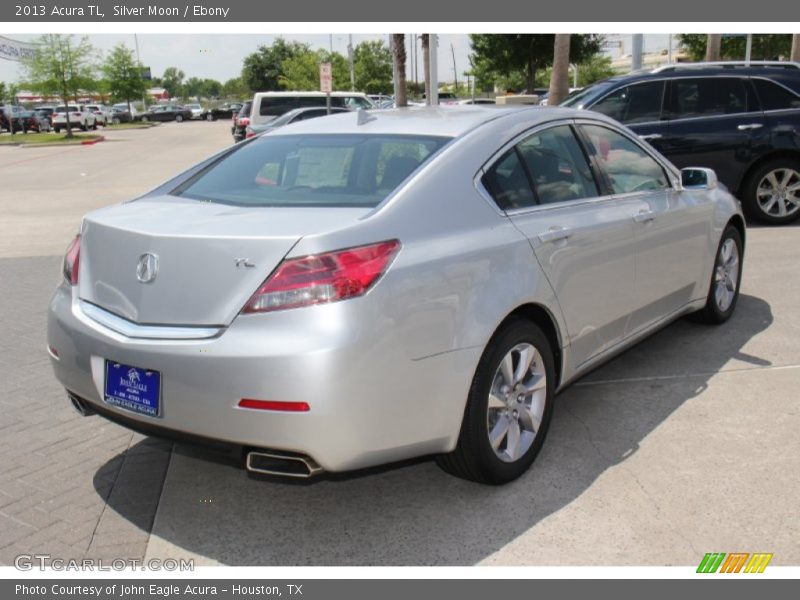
{"type": "Point", "coordinates": [774, 96]}
{"type": "Point", "coordinates": [316, 170]}
{"type": "Point", "coordinates": [708, 97]}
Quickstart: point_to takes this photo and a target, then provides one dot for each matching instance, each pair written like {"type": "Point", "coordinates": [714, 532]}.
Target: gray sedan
{"type": "Point", "coordinates": [369, 287]}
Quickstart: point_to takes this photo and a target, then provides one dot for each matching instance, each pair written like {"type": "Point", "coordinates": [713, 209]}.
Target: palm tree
{"type": "Point", "coordinates": [559, 79]}
{"type": "Point", "coordinates": [399, 58]}
{"type": "Point", "coordinates": [426, 64]}
{"type": "Point", "coordinates": [795, 55]}
{"type": "Point", "coordinates": [713, 47]}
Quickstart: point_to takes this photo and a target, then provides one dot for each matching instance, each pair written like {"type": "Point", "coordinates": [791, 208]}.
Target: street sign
{"type": "Point", "coordinates": [325, 78]}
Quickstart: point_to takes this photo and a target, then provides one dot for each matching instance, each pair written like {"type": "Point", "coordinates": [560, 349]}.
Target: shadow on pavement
{"type": "Point", "coordinates": [414, 514]}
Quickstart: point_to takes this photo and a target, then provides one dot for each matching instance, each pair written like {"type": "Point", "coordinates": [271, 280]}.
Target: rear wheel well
{"type": "Point", "coordinates": [789, 154]}
{"type": "Point", "coordinates": [544, 319]}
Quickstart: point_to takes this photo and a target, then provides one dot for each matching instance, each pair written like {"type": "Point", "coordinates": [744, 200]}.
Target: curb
{"type": "Point", "coordinates": [92, 142]}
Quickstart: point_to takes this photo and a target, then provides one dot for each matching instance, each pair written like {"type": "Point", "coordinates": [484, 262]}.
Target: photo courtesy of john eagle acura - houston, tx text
{"type": "Point", "coordinates": [373, 286]}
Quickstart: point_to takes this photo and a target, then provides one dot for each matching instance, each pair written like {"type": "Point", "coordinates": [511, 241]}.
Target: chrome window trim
{"type": "Point", "coordinates": [670, 170]}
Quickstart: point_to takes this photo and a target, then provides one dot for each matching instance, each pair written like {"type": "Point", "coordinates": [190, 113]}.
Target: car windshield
{"type": "Point", "coordinates": [579, 98]}
{"type": "Point", "coordinates": [311, 170]}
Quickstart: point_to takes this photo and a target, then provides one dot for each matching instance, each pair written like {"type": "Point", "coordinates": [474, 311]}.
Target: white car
{"type": "Point", "coordinates": [103, 114]}
{"type": "Point", "coordinates": [197, 110]}
{"type": "Point", "coordinates": [79, 116]}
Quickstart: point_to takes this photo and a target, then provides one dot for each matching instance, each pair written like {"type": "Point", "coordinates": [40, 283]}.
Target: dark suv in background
{"type": "Point", "coordinates": [742, 120]}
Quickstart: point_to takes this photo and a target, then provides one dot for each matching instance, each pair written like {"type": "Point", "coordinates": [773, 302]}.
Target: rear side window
{"type": "Point", "coordinates": [306, 101]}
{"type": "Point", "coordinates": [311, 170]}
{"type": "Point", "coordinates": [636, 103]}
{"type": "Point", "coordinates": [275, 106]}
{"type": "Point", "coordinates": [557, 166]}
{"type": "Point", "coordinates": [707, 97]}
{"type": "Point", "coordinates": [774, 96]}
{"type": "Point", "coordinates": [629, 167]}
{"type": "Point", "coordinates": [508, 183]}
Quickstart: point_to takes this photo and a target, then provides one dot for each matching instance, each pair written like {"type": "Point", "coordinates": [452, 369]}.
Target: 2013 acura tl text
{"type": "Point", "coordinates": [368, 287]}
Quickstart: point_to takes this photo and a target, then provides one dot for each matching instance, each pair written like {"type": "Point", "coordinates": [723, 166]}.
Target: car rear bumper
{"type": "Point", "coordinates": [370, 403]}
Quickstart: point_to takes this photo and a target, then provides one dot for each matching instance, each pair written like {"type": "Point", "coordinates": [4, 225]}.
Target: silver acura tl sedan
{"type": "Point", "coordinates": [369, 287]}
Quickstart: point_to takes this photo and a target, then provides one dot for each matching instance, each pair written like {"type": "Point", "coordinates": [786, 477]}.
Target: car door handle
{"type": "Point", "coordinates": [644, 216]}
{"type": "Point", "coordinates": [750, 126]}
{"type": "Point", "coordinates": [651, 136]}
{"type": "Point", "coordinates": [555, 234]}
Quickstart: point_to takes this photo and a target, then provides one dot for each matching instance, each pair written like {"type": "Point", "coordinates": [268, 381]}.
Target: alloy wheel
{"type": "Point", "coordinates": [778, 192]}
{"type": "Point", "coordinates": [516, 402]}
{"type": "Point", "coordinates": [726, 276]}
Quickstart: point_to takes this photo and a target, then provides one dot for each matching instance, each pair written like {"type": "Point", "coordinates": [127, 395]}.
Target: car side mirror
{"type": "Point", "coordinates": [698, 178]}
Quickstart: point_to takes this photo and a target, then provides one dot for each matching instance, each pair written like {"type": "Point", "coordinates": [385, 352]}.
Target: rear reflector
{"type": "Point", "coordinates": [323, 278]}
{"type": "Point", "coordinates": [274, 405]}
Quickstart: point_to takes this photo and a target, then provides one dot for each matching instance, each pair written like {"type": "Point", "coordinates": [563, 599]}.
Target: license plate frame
{"type": "Point", "coordinates": [133, 389]}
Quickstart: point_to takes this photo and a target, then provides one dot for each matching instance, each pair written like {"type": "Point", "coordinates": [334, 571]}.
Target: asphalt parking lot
{"type": "Point", "coordinates": [685, 444]}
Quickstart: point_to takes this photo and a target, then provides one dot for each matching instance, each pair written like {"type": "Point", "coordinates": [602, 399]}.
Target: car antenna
{"type": "Point", "coordinates": [363, 117]}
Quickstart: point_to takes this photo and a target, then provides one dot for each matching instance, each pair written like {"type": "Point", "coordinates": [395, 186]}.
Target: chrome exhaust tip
{"type": "Point", "coordinates": [282, 465]}
{"type": "Point", "coordinates": [80, 405]}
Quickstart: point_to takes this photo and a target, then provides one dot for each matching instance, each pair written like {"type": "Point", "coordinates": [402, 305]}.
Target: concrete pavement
{"type": "Point", "coordinates": [685, 444]}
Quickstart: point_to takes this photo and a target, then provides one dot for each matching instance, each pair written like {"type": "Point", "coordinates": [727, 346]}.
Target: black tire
{"type": "Point", "coordinates": [711, 313]}
{"type": "Point", "coordinates": [94, 126]}
{"type": "Point", "coordinates": [144, 119]}
{"type": "Point", "coordinates": [57, 129]}
{"type": "Point", "coordinates": [474, 458]}
{"type": "Point", "coordinates": [750, 188]}
{"type": "Point", "coordinates": [210, 117]}
{"type": "Point", "coordinates": [84, 126]}
{"type": "Point", "coordinates": [179, 118]}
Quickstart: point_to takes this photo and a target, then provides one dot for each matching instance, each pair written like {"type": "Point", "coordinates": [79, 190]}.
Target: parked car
{"type": "Point", "coordinates": [225, 111]}
{"type": "Point", "coordinates": [103, 113]}
{"type": "Point", "coordinates": [165, 112]}
{"type": "Point", "coordinates": [742, 121]}
{"type": "Point", "coordinates": [197, 110]}
{"type": "Point", "coordinates": [123, 106]}
{"type": "Point", "coordinates": [490, 101]}
{"type": "Point", "coordinates": [79, 117]}
{"type": "Point", "coordinates": [369, 287]}
{"type": "Point", "coordinates": [269, 105]}
{"type": "Point", "coordinates": [31, 120]}
{"type": "Point", "coordinates": [293, 116]}
{"type": "Point", "coordinates": [46, 111]}
{"type": "Point", "coordinates": [8, 113]}
{"type": "Point", "coordinates": [241, 121]}
{"type": "Point", "coordinates": [381, 100]}
{"type": "Point", "coordinates": [120, 115]}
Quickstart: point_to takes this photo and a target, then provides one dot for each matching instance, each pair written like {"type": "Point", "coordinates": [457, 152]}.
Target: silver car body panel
{"type": "Point", "coordinates": [404, 354]}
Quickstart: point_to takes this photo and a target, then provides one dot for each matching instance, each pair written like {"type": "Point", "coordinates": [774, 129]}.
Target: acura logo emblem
{"type": "Point", "coordinates": [147, 269]}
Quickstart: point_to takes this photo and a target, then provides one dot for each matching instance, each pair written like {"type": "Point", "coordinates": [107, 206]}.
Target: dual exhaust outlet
{"type": "Point", "coordinates": [265, 462]}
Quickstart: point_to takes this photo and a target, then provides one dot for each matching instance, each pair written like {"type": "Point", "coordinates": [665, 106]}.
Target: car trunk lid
{"type": "Point", "coordinates": [172, 261]}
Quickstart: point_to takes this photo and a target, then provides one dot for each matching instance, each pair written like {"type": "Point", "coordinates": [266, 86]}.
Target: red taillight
{"type": "Point", "coordinates": [72, 261]}
{"type": "Point", "coordinates": [76, 114]}
{"type": "Point", "coordinates": [244, 122]}
{"type": "Point", "coordinates": [274, 405]}
{"type": "Point", "coordinates": [249, 134]}
{"type": "Point", "coordinates": [323, 278]}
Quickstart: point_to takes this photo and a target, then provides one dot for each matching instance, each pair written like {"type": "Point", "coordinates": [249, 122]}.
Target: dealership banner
{"type": "Point", "coordinates": [14, 50]}
{"type": "Point", "coordinates": [388, 589]}
{"type": "Point", "coordinates": [53, 11]}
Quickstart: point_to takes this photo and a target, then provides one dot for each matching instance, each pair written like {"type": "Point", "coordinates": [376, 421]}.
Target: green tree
{"type": "Point", "coordinates": [172, 81]}
{"type": "Point", "coordinates": [262, 69]}
{"type": "Point", "coordinates": [301, 71]}
{"type": "Point", "coordinates": [193, 87]}
{"type": "Point", "coordinates": [235, 88]}
{"type": "Point", "coordinates": [596, 68]}
{"type": "Point", "coordinates": [3, 91]}
{"type": "Point", "coordinates": [771, 46]}
{"type": "Point", "coordinates": [506, 57]}
{"type": "Point", "coordinates": [123, 76]}
{"type": "Point", "coordinates": [372, 62]}
{"type": "Point", "coordinates": [211, 88]}
{"type": "Point", "coordinates": [61, 67]}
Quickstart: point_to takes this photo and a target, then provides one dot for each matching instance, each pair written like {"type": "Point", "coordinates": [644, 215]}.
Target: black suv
{"type": "Point", "coordinates": [741, 120]}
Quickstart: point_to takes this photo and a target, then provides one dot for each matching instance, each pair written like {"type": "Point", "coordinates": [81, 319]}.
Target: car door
{"type": "Point", "coordinates": [670, 226]}
{"type": "Point", "coordinates": [640, 106]}
{"type": "Point", "coordinates": [714, 122]}
{"type": "Point", "coordinates": [582, 237]}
